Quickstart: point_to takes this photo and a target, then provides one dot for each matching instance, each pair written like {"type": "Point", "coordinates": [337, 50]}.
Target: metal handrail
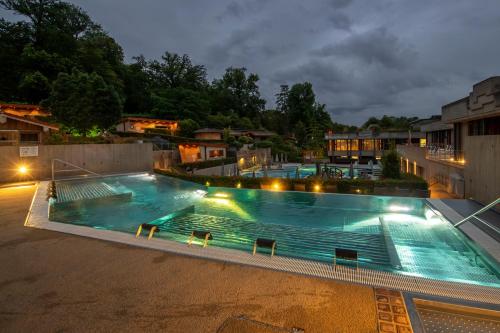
{"type": "Point", "coordinates": [482, 210]}
{"type": "Point", "coordinates": [70, 164]}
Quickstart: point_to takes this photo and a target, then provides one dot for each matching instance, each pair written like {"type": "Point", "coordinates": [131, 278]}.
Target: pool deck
{"type": "Point", "coordinates": [53, 281]}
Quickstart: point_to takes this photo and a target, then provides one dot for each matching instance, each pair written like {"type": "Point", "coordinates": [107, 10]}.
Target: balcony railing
{"type": "Point", "coordinates": [445, 153]}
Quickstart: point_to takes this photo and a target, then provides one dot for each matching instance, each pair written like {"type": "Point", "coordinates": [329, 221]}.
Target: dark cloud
{"type": "Point", "coordinates": [376, 46]}
{"type": "Point", "coordinates": [364, 58]}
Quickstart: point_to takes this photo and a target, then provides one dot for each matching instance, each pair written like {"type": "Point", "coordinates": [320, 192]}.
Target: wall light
{"type": "Point", "coordinates": [22, 169]}
{"type": "Point", "coordinates": [207, 184]}
{"type": "Point", "coordinates": [238, 185]}
{"type": "Point", "coordinates": [276, 186]}
{"type": "Point", "coordinates": [317, 188]}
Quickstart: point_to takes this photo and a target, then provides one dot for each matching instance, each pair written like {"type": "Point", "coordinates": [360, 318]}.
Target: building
{"type": "Point", "coordinates": [367, 145]}
{"type": "Point", "coordinates": [140, 124]}
{"type": "Point", "coordinates": [462, 151]}
{"type": "Point", "coordinates": [201, 151]}
{"type": "Point", "coordinates": [20, 125]}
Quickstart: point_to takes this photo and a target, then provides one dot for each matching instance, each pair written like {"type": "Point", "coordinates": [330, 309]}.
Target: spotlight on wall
{"type": "Point", "coordinates": [22, 169]}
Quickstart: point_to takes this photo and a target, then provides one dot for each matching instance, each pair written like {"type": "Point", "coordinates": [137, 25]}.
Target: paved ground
{"type": "Point", "coordinates": [56, 282]}
{"type": "Point", "coordinates": [438, 191]}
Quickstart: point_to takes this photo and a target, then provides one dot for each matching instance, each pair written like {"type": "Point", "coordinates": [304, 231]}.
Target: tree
{"type": "Point", "coordinates": [390, 165]}
{"type": "Point", "coordinates": [187, 127]}
{"type": "Point", "coordinates": [13, 38]}
{"type": "Point", "coordinates": [236, 93]}
{"type": "Point", "coordinates": [82, 101]}
{"type": "Point", "coordinates": [34, 87]}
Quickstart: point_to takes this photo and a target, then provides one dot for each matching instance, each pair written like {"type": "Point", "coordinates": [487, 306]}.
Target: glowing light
{"type": "Point", "coordinates": [200, 193]}
{"type": "Point", "coordinates": [22, 169]}
{"type": "Point", "coordinates": [317, 188]}
{"type": "Point", "coordinates": [221, 195]}
{"type": "Point", "coordinates": [231, 206]}
{"type": "Point", "coordinates": [276, 186]}
{"type": "Point", "coordinates": [238, 185]}
{"type": "Point", "coordinates": [358, 190]}
{"type": "Point", "coordinates": [207, 183]}
{"type": "Point", "coordinates": [396, 208]}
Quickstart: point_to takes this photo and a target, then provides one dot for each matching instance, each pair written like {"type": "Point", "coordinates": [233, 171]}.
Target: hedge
{"type": "Point", "coordinates": [207, 164]}
{"type": "Point", "coordinates": [355, 186]}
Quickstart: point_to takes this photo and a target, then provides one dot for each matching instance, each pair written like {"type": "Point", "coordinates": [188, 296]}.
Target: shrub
{"type": "Point", "coordinates": [390, 165]}
{"type": "Point", "coordinates": [207, 164]}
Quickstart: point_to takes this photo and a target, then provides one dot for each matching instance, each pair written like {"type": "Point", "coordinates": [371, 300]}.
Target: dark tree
{"type": "Point", "coordinates": [83, 102]}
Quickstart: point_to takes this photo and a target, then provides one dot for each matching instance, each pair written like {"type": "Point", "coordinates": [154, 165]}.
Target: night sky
{"type": "Point", "coordinates": [364, 58]}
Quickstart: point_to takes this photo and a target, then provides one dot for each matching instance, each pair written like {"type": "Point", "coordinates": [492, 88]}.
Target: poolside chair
{"type": "Point", "coordinates": [263, 242]}
{"type": "Point", "coordinates": [200, 234]}
{"type": "Point", "coordinates": [146, 226]}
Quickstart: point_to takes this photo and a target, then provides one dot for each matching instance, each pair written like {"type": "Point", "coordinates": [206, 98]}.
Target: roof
{"type": "Point", "coordinates": [23, 109]}
{"type": "Point", "coordinates": [148, 120]}
{"type": "Point", "coordinates": [208, 130]}
{"type": "Point", "coordinates": [32, 121]}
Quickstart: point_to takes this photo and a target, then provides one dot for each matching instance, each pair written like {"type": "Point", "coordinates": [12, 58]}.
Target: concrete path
{"type": "Point", "coordinates": [51, 281]}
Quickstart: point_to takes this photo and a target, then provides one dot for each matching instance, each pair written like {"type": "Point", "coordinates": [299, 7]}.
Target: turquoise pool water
{"type": "Point", "coordinates": [394, 234]}
{"type": "Point", "coordinates": [303, 171]}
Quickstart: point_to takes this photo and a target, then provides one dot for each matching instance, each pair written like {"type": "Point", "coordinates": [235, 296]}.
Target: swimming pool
{"type": "Point", "coordinates": [298, 171]}
{"type": "Point", "coordinates": [401, 235]}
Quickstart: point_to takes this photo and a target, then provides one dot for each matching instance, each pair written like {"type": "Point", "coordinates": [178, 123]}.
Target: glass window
{"type": "Point", "coordinates": [216, 153]}
{"type": "Point", "coordinates": [340, 145]}
{"type": "Point", "coordinates": [355, 144]}
{"type": "Point", "coordinates": [368, 144]}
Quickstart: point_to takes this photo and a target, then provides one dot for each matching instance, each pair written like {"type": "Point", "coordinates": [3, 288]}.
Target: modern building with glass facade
{"type": "Point", "coordinates": [367, 145]}
{"type": "Point", "coordinates": [462, 150]}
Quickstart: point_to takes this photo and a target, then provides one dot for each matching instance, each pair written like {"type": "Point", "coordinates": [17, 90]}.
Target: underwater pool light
{"type": "Point", "coordinates": [221, 195]}
{"type": "Point", "coordinates": [200, 193]}
{"type": "Point", "coordinates": [396, 208]}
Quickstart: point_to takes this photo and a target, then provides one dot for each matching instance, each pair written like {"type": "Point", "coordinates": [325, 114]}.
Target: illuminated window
{"type": "Point", "coordinates": [216, 153]}
{"type": "Point", "coordinates": [423, 142]}
{"type": "Point", "coordinates": [355, 144]}
{"type": "Point", "coordinates": [340, 145]}
{"type": "Point", "coordinates": [368, 144]}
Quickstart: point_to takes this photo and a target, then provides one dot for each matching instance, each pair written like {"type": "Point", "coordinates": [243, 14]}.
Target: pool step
{"type": "Point", "coordinates": [309, 243]}
{"type": "Point", "coordinates": [78, 191]}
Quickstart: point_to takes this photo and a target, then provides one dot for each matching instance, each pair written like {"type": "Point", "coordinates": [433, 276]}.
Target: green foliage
{"type": "Point", "coordinates": [390, 123]}
{"type": "Point", "coordinates": [245, 139]}
{"type": "Point", "coordinates": [187, 127]}
{"type": "Point", "coordinates": [263, 144]}
{"type": "Point", "coordinates": [390, 165]}
{"type": "Point", "coordinates": [208, 164]}
{"type": "Point", "coordinates": [237, 93]}
{"type": "Point", "coordinates": [352, 186]}
{"type": "Point", "coordinates": [83, 101]}
{"type": "Point", "coordinates": [34, 87]}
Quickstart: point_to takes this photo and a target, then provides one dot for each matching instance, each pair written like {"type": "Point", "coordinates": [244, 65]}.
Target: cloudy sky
{"type": "Point", "coordinates": [364, 58]}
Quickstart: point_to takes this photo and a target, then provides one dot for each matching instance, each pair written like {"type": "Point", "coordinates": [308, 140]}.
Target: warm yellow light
{"type": "Point", "coordinates": [22, 170]}
{"type": "Point", "coordinates": [358, 190]}
{"type": "Point", "coordinates": [221, 195]}
{"type": "Point", "coordinates": [276, 186]}
{"type": "Point", "coordinates": [238, 185]}
{"type": "Point", "coordinates": [207, 184]}
{"type": "Point", "coordinates": [317, 187]}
